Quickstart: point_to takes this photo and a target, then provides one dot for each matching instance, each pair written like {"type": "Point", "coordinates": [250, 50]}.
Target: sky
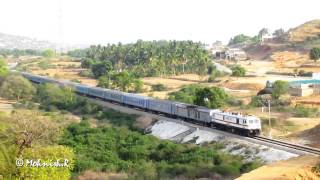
{"type": "Point", "coordinates": [112, 21]}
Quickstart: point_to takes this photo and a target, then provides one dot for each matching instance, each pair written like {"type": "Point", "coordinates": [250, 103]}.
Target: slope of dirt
{"type": "Point", "coordinates": [305, 31]}
{"type": "Point", "coordinates": [310, 135]}
{"type": "Point", "coordinates": [292, 169]}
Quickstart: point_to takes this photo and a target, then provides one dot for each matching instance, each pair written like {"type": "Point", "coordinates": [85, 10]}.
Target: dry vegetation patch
{"type": "Point", "coordinates": [294, 168]}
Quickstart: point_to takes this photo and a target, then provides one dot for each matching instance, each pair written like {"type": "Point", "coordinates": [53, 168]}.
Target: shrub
{"type": "Point", "coordinates": [158, 87]}
{"type": "Point", "coordinates": [301, 111]}
{"type": "Point", "coordinates": [76, 80]}
{"type": "Point", "coordinates": [86, 73]}
{"type": "Point", "coordinates": [238, 71]}
{"type": "Point", "coordinates": [256, 101]}
{"type": "Point", "coordinates": [214, 74]}
{"type": "Point", "coordinates": [279, 88]}
{"type": "Point", "coordinates": [46, 64]}
{"type": "Point", "coordinates": [315, 53]}
{"type": "Point", "coordinates": [234, 102]}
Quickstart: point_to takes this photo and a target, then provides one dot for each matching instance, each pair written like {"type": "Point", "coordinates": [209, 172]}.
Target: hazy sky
{"type": "Point", "coordinates": [103, 21]}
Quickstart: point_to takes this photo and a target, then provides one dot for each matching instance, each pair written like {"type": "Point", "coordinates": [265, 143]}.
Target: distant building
{"type": "Point", "coordinates": [316, 76]}
{"type": "Point", "coordinates": [236, 54]}
{"type": "Point", "coordinates": [266, 38]}
{"type": "Point", "coordinates": [216, 49]}
{"type": "Point", "coordinates": [297, 88]}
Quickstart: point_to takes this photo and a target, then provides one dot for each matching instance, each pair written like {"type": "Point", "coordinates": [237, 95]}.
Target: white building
{"type": "Point", "coordinates": [236, 53]}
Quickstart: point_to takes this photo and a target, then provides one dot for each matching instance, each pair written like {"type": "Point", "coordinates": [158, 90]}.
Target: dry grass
{"type": "Point", "coordinates": [295, 168]}
{"type": "Point", "coordinates": [302, 32]}
{"type": "Point", "coordinates": [91, 175]}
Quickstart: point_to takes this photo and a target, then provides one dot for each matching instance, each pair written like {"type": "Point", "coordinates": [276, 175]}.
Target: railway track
{"type": "Point", "coordinates": [277, 144]}
{"type": "Point", "coordinates": [289, 145]}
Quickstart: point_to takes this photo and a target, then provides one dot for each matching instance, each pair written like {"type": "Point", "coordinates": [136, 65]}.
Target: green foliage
{"type": "Point", "coordinates": [214, 74]}
{"type": "Point", "coordinates": [238, 71]}
{"type": "Point", "coordinates": [52, 95]}
{"type": "Point", "coordinates": [146, 157]}
{"type": "Point", "coordinates": [158, 87]}
{"type": "Point", "coordinates": [126, 82]}
{"type": "Point", "coordinates": [256, 101]}
{"type": "Point", "coordinates": [24, 131]}
{"type": "Point", "coordinates": [3, 68]}
{"type": "Point", "coordinates": [86, 73]}
{"type": "Point", "coordinates": [101, 68]}
{"type": "Point", "coordinates": [137, 86]}
{"type": "Point", "coordinates": [49, 53]}
{"type": "Point", "coordinates": [279, 88]}
{"type": "Point", "coordinates": [212, 97]}
{"type": "Point", "coordinates": [48, 154]}
{"type": "Point", "coordinates": [87, 63]}
{"type": "Point", "coordinates": [19, 52]}
{"type": "Point", "coordinates": [301, 111]}
{"type": "Point", "coordinates": [104, 82]}
{"type": "Point", "coordinates": [186, 94]}
{"type": "Point", "coordinates": [16, 87]}
{"type": "Point", "coordinates": [53, 98]}
{"type": "Point", "coordinates": [154, 58]}
{"type": "Point", "coordinates": [45, 64]}
{"type": "Point", "coordinates": [238, 39]}
{"type": "Point", "coordinates": [75, 80]}
{"type": "Point", "coordinates": [78, 53]}
{"type": "Point", "coordinates": [315, 54]}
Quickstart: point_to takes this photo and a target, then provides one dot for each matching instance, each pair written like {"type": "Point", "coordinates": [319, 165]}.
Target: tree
{"type": "Point", "coordinates": [212, 97]}
{"type": "Point", "coordinates": [49, 53]}
{"type": "Point", "coordinates": [104, 81]}
{"type": "Point", "coordinates": [122, 81]}
{"type": "Point", "coordinates": [241, 38]}
{"type": "Point", "coordinates": [314, 54]}
{"type": "Point", "coordinates": [49, 154]}
{"type": "Point", "coordinates": [238, 71]}
{"type": "Point", "coordinates": [278, 33]}
{"type": "Point", "coordinates": [101, 68]}
{"type": "Point", "coordinates": [3, 68]}
{"type": "Point", "coordinates": [52, 95]}
{"type": "Point", "coordinates": [279, 88]}
{"type": "Point", "coordinates": [137, 85]}
{"type": "Point", "coordinates": [26, 129]}
{"type": "Point", "coordinates": [87, 63]}
{"type": "Point", "coordinates": [263, 31]}
{"type": "Point", "coordinates": [16, 87]}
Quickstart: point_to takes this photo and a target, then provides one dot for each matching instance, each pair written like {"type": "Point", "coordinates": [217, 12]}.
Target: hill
{"type": "Point", "coordinates": [305, 32]}
{"type": "Point", "coordinates": [296, 40]}
{"type": "Point", "coordinates": [8, 41]}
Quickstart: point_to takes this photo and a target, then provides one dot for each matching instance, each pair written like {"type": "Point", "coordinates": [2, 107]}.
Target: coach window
{"type": "Point", "coordinates": [250, 121]}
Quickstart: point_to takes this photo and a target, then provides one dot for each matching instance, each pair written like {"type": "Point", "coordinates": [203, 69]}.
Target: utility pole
{"type": "Point", "coordinates": [269, 102]}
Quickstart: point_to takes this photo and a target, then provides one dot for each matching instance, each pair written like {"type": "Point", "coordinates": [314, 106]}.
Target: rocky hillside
{"type": "Point", "coordinates": [20, 42]}
{"type": "Point", "coordinates": [297, 40]}
{"type": "Point", "coordinates": [305, 32]}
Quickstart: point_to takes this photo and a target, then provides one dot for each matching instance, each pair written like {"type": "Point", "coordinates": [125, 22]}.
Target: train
{"type": "Point", "coordinates": [234, 122]}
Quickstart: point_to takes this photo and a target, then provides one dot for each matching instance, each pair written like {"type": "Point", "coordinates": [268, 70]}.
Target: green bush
{"type": "Point", "coordinates": [256, 101]}
{"type": "Point", "coordinates": [238, 71]}
{"type": "Point", "coordinates": [158, 87]}
{"type": "Point", "coordinates": [214, 74]}
{"type": "Point", "coordinates": [86, 73]}
{"type": "Point", "coordinates": [119, 149]}
{"type": "Point", "coordinates": [279, 88]}
{"type": "Point", "coordinates": [45, 64]}
{"type": "Point", "coordinates": [76, 80]}
{"type": "Point", "coordinates": [315, 53]}
{"type": "Point", "coordinates": [301, 111]}
{"type": "Point", "coordinates": [234, 102]}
